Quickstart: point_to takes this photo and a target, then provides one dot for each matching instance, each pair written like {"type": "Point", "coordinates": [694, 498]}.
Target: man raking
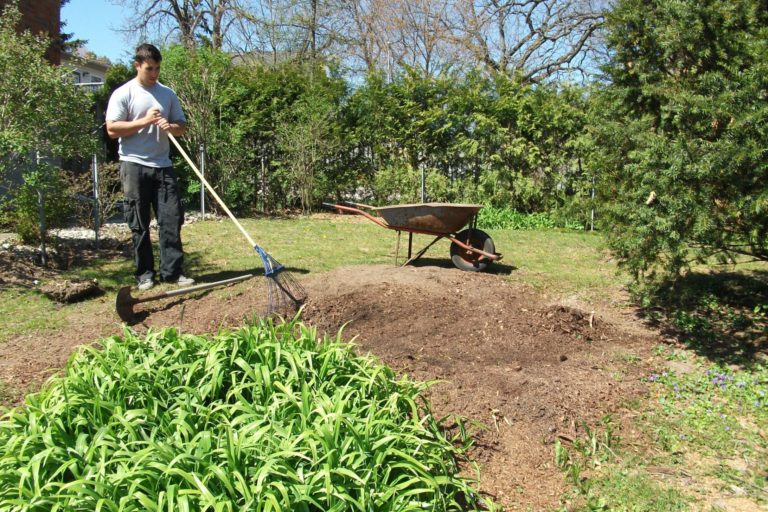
{"type": "Point", "coordinates": [140, 114]}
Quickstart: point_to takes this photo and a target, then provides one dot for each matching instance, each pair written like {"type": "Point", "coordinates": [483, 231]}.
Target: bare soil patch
{"type": "Point", "coordinates": [521, 370]}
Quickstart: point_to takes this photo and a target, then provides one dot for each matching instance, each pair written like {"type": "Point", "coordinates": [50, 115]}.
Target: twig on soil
{"type": "Point", "coordinates": [494, 412]}
{"type": "Point", "coordinates": [181, 318]}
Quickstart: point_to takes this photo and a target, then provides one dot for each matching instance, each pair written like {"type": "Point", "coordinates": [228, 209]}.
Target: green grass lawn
{"type": "Point", "coordinates": [317, 245]}
{"type": "Point", "coordinates": [311, 245]}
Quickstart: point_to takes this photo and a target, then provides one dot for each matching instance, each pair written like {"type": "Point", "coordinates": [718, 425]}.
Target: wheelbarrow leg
{"type": "Point", "coordinates": [421, 252]}
{"type": "Point", "coordinates": [410, 247]}
{"type": "Point", "coordinates": [397, 247]}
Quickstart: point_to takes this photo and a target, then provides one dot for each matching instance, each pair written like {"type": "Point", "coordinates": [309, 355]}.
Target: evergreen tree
{"type": "Point", "coordinates": [682, 134]}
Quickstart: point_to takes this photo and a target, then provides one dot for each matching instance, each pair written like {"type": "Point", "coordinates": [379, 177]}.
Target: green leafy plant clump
{"type": "Point", "coordinates": [44, 187]}
{"type": "Point", "coordinates": [507, 218]}
{"type": "Point", "coordinates": [268, 417]}
{"type": "Point", "coordinates": [603, 480]}
{"type": "Point", "coordinates": [718, 413]}
{"type": "Point", "coordinates": [717, 408]}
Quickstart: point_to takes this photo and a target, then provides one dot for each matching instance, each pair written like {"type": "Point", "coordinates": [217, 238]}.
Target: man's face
{"type": "Point", "coordinates": [147, 72]}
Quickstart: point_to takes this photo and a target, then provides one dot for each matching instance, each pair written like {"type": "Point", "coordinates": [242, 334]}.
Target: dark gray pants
{"type": "Point", "coordinates": [154, 187]}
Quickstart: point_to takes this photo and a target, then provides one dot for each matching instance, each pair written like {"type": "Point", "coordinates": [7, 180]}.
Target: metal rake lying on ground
{"type": "Point", "coordinates": [283, 290]}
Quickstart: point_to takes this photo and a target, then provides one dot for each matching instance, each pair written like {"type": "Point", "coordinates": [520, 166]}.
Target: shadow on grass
{"type": "Point", "coordinates": [494, 268]}
{"type": "Point", "coordinates": [113, 277]}
{"type": "Point", "coordinates": [720, 315]}
{"type": "Point", "coordinates": [207, 272]}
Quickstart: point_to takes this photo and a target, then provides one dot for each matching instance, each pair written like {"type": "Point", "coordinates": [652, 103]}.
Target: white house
{"type": "Point", "coordinates": [86, 73]}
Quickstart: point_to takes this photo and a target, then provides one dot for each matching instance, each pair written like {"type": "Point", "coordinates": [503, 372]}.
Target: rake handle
{"type": "Point", "coordinates": [210, 189]}
{"type": "Point", "coordinates": [190, 289]}
{"type": "Point", "coordinates": [124, 301]}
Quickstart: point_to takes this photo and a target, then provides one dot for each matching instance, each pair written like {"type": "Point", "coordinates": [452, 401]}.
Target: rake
{"type": "Point", "coordinates": [283, 290]}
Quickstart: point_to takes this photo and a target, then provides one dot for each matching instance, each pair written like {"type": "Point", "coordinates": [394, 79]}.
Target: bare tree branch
{"type": "Point", "coordinates": [190, 21]}
{"type": "Point", "coordinates": [536, 39]}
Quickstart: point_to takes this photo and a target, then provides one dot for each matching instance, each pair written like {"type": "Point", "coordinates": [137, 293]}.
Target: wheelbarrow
{"type": "Point", "coordinates": [471, 249]}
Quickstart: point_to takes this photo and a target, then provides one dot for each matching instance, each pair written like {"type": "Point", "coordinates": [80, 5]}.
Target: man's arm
{"type": "Point", "coordinates": [117, 129]}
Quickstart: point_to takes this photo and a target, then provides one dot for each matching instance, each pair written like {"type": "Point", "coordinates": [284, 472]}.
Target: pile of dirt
{"type": "Point", "coordinates": [70, 290]}
{"type": "Point", "coordinates": [520, 371]}
{"type": "Point", "coordinates": [22, 272]}
{"type": "Point", "coordinates": [527, 371]}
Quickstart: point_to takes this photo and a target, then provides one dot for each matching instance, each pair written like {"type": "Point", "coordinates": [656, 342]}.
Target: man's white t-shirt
{"type": "Point", "coordinates": [131, 101]}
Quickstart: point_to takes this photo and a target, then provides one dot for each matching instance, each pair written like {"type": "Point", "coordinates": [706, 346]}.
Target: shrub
{"type": "Point", "coordinates": [110, 194]}
{"type": "Point", "coordinates": [22, 210]}
{"type": "Point", "coordinates": [506, 218]}
{"type": "Point", "coordinates": [265, 418]}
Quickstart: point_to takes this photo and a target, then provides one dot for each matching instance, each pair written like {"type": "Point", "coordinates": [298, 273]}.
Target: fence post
{"type": "Point", "coordinates": [96, 200]}
{"type": "Point", "coordinates": [202, 185]}
{"type": "Point", "coordinates": [41, 215]}
{"type": "Point", "coordinates": [263, 183]}
{"type": "Point", "coordinates": [592, 213]}
{"type": "Point", "coordinates": [423, 184]}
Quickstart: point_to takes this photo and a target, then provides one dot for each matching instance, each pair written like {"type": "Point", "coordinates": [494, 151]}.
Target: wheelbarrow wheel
{"type": "Point", "coordinates": [468, 260]}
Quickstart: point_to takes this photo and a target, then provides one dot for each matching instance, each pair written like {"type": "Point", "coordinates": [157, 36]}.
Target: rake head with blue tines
{"type": "Point", "coordinates": [284, 292]}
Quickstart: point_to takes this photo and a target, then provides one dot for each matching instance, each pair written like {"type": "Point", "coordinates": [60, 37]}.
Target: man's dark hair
{"type": "Point", "coordinates": [146, 52]}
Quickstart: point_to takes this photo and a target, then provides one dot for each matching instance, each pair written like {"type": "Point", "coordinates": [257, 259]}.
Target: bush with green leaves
{"type": "Point", "coordinates": [85, 209]}
{"type": "Point", "coordinates": [45, 186]}
{"type": "Point", "coordinates": [681, 135]}
{"type": "Point", "coordinates": [42, 116]}
{"type": "Point", "coordinates": [484, 139]}
{"type": "Point", "coordinates": [506, 218]}
{"type": "Point", "coordinates": [42, 112]}
{"type": "Point", "coordinates": [308, 139]}
{"type": "Point", "coordinates": [265, 418]}
{"type": "Point", "coordinates": [397, 182]}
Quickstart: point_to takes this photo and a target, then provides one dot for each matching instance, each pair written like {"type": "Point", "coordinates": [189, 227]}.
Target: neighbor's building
{"type": "Point", "coordinates": [87, 74]}
{"type": "Point", "coordinates": [42, 17]}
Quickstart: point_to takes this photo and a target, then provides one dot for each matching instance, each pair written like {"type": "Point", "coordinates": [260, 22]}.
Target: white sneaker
{"type": "Point", "coordinates": [184, 280]}
{"type": "Point", "coordinates": [146, 284]}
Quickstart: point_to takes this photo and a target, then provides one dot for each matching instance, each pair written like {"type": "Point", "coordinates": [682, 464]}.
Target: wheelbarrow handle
{"type": "Point", "coordinates": [358, 211]}
{"type": "Point", "coordinates": [350, 203]}
{"type": "Point", "coordinates": [360, 205]}
{"type": "Point", "coordinates": [493, 257]}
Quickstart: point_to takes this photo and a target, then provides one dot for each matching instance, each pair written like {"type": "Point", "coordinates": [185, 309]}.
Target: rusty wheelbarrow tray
{"type": "Point", "coordinates": [471, 249]}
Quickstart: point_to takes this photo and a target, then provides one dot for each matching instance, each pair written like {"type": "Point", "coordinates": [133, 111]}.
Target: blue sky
{"type": "Point", "coordinates": [95, 21]}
